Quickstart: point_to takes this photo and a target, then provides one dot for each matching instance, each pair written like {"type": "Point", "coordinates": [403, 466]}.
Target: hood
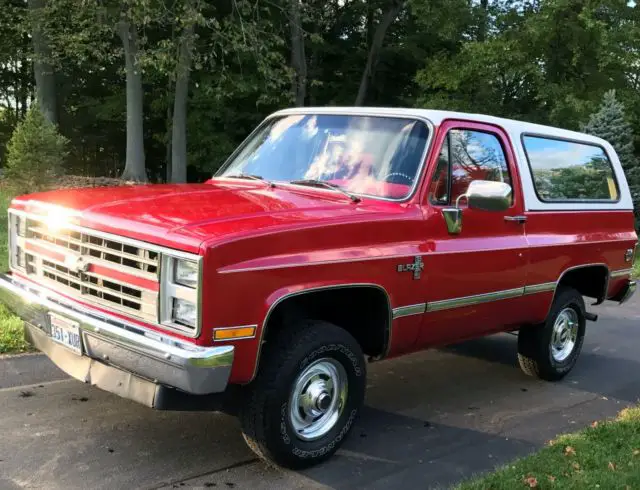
{"type": "Point", "coordinates": [184, 215]}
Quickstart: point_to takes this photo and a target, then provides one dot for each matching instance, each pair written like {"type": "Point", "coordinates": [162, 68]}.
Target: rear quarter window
{"type": "Point", "coordinates": [565, 171]}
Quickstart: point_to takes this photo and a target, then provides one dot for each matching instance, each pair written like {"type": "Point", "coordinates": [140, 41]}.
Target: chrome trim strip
{"type": "Point", "coordinates": [447, 304]}
{"type": "Point", "coordinates": [337, 112]}
{"type": "Point", "coordinates": [417, 309]}
{"type": "Point", "coordinates": [273, 306]}
{"type": "Point", "coordinates": [540, 288]}
{"type": "Point", "coordinates": [461, 302]}
{"type": "Point", "coordinates": [620, 273]}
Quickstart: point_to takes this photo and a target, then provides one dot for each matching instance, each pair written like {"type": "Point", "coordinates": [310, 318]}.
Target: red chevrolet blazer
{"type": "Point", "coordinates": [331, 237]}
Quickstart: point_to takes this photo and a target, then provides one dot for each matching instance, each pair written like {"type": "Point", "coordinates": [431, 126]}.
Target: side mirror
{"type": "Point", "coordinates": [485, 195]}
{"type": "Point", "coordinates": [488, 195]}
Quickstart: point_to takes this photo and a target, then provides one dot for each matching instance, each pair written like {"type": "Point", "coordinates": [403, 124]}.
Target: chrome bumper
{"type": "Point", "coordinates": [117, 356]}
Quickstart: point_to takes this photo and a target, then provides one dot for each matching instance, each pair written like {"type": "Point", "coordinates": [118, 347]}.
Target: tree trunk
{"type": "Point", "coordinates": [376, 45]}
{"type": "Point", "coordinates": [298, 58]}
{"type": "Point", "coordinates": [42, 69]}
{"type": "Point", "coordinates": [134, 168]}
{"type": "Point", "coordinates": [167, 136]}
{"type": "Point", "coordinates": [179, 125]}
{"type": "Point", "coordinates": [484, 20]}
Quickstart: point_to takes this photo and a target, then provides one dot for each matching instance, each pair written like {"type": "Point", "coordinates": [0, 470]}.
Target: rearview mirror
{"type": "Point", "coordinates": [488, 195]}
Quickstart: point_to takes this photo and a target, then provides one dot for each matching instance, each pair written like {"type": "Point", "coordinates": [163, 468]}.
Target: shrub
{"type": "Point", "coordinates": [35, 154]}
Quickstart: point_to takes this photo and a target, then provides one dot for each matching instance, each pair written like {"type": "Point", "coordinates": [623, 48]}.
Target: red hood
{"type": "Point", "coordinates": [184, 215]}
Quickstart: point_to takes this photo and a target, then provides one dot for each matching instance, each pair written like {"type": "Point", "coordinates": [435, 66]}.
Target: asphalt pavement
{"type": "Point", "coordinates": [431, 419]}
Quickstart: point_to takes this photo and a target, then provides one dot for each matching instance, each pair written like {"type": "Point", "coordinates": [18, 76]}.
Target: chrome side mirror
{"type": "Point", "coordinates": [486, 195]}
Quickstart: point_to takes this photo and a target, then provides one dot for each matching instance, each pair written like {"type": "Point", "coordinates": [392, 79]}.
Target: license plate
{"type": "Point", "coordinates": [66, 332]}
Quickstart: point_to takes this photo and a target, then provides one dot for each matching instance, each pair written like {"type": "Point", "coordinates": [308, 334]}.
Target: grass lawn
{"type": "Point", "coordinates": [605, 455]}
{"type": "Point", "coordinates": [11, 331]}
{"type": "Point", "coordinates": [636, 268]}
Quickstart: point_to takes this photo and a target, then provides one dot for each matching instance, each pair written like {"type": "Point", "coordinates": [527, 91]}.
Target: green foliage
{"type": "Point", "coordinates": [547, 61]}
{"type": "Point", "coordinates": [610, 123]}
{"type": "Point", "coordinates": [35, 154]}
{"type": "Point", "coordinates": [12, 339]}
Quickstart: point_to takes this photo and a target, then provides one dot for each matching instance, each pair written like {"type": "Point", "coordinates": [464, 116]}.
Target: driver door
{"type": "Point", "coordinates": [475, 278]}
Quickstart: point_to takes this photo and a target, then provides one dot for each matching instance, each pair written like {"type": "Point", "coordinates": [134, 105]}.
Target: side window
{"type": "Point", "coordinates": [465, 156]}
{"type": "Point", "coordinates": [570, 171]}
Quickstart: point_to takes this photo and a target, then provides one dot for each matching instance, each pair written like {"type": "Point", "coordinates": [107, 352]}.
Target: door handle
{"type": "Point", "coordinates": [518, 219]}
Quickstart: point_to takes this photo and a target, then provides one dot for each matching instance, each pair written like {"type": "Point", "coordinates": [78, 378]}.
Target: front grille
{"type": "Point", "coordinates": [45, 254]}
{"type": "Point", "coordinates": [98, 248]}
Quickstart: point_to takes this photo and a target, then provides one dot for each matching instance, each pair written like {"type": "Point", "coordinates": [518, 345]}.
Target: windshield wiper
{"type": "Point", "coordinates": [326, 185]}
{"type": "Point", "coordinates": [242, 175]}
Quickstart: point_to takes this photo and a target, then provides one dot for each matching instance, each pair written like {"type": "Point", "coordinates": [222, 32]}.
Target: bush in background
{"type": "Point", "coordinates": [35, 154]}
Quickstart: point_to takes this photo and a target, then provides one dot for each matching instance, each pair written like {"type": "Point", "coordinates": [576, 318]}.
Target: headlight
{"type": "Point", "coordinates": [184, 312]}
{"type": "Point", "coordinates": [180, 293]}
{"type": "Point", "coordinates": [185, 273]}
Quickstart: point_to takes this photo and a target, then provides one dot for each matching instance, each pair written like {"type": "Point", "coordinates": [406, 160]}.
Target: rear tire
{"type": "Point", "coordinates": [306, 396]}
{"type": "Point", "coordinates": [550, 350]}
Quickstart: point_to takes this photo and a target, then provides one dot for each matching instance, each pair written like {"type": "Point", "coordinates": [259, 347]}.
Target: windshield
{"type": "Point", "coordinates": [375, 156]}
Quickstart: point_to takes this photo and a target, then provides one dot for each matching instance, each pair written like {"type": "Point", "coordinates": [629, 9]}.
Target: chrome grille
{"type": "Point", "coordinates": [132, 258]}
{"type": "Point", "coordinates": [91, 286]}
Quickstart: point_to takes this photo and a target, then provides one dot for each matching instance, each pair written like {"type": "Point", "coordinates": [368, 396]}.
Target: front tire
{"type": "Point", "coordinates": [550, 350]}
{"type": "Point", "coordinates": [306, 396]}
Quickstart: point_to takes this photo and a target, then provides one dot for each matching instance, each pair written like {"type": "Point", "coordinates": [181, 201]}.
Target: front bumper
{"type": "Point", "coordinates": [117, 356]}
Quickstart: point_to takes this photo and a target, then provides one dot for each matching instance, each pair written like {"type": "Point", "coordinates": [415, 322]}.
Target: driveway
{"type": "Point", "coordinates": [431, 419]}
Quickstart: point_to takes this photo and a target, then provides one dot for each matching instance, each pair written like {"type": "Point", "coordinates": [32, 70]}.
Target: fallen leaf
{"type": "Point", "coordinates": [530, 481]}
{"type": "Point", "coordinates": [576, 466]}
{"type": "Point", "coordinates": [569, 451]}
{"type": "Point", "coordinates": [612, 466]}
{"type": "Point", "coordinates": [551, 478]}
{"type": "Point", "coordinates": [594, 424]}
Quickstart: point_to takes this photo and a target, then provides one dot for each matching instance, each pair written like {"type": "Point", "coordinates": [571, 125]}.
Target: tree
{"type": "Point", "coordinates": [610, 123]}
{"type": "Point", "coordinates": [390, 14]}
{"type": "Point", "coordinates": [191, 16]}
{"type": "Point", "coordinates": [35, 153]}
{"type": "Point", "coordinates": [42, 68]}
{"type": "Point", "coordinates": [298, 57]}
{"type": "Point", "coordinates": [134, 168]}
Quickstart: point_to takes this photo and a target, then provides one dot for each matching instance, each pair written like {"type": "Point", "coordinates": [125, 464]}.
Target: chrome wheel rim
{"type": "Point", "coordinates": [565, 334]}
{"type": "Point", "coordinates": [318, 398]}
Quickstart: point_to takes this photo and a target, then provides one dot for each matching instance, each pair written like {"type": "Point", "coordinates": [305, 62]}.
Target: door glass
{"type": "Point", "coordinates": [471, 155]}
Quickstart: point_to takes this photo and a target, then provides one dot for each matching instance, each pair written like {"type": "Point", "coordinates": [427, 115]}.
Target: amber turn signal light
{"type": "Point", "coordinates": [234, 333]}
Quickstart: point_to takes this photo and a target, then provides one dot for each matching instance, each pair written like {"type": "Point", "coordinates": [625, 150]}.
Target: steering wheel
{"type": "Point", "coordinates": [398, 174]}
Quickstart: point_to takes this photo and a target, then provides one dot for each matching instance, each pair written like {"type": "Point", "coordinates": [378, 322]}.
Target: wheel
{"type": "Point", "coordinates": [550, 350]}
{"type": "Point", "coordinates": [306, 396]}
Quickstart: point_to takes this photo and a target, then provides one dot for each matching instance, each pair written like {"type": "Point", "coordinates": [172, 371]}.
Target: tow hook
{"type": "Point", "coordinates": [590, 316]}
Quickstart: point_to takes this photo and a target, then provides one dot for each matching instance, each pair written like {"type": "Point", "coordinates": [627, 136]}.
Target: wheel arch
{"type": "Point", "coordinates": [280, 299]}
{"type": "Point", "coordinates": [575, 277]}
